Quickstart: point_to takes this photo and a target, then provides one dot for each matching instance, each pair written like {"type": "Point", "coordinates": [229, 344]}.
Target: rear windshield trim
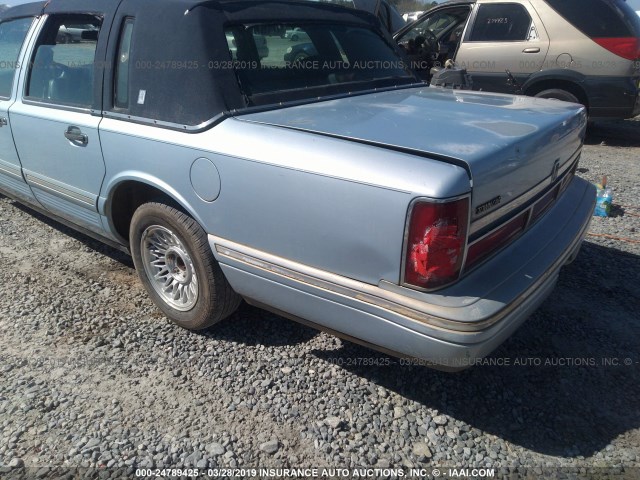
{"type": "Point", "coordinates": [301, 88]}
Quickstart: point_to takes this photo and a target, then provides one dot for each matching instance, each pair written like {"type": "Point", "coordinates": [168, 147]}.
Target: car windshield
{"type": "Point", "coordinates": [287, 62]}
{"type": "Point", "coordinates": [435, 23]}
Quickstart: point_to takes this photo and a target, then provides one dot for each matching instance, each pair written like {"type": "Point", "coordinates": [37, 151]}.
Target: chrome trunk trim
{"type": "Point", "coordinates": [523, 199]}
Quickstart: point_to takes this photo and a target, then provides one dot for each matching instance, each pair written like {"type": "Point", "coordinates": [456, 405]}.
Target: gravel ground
{"type": "Point", "coordinates": [94, 376]}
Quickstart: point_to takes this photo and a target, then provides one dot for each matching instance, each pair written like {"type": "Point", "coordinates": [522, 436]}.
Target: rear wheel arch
{"type": "Point", "coordinates": [127, 196]}
{"type": "Point", "coordinates": [171, 253]}
{"type": "Point", "coordinates": [569, 85]}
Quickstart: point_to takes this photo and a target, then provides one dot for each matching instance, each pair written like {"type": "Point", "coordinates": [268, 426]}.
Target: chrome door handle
{"type": "Point", "coordinates": [3, 122]}
{"type": "Point", "coordinates": [531, 50]}
{"type": "Point", "coordinates": [75, 135]}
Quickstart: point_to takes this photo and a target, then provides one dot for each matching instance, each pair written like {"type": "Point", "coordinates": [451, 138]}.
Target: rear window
{"type": "Point", "coordinates": [287, 62]}
{"type": "Point", "coordinates": [599, 18]}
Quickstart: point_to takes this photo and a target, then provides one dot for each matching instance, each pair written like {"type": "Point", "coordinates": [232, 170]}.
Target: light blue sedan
{"type": "Point", "coordinates": [342, 192]}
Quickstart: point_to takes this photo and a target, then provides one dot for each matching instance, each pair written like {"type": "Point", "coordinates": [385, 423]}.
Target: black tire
{"type": "Point", "coordinates": [294, 37]}
{"type": "Point", "coordinates": [300, 57]}
{"type": "Point", "coordinates": [558, 94]}
{"type": "Point", "coordinates": [214, 299]}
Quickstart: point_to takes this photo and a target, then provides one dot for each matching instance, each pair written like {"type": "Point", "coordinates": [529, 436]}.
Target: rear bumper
{"type": "Point", "coordinates": [450, 329]}
{"type": "Point", "coordinates": [612, 97]}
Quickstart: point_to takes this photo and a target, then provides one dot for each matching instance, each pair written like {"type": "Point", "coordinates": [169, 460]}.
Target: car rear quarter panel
{"type": "Point", "coordinates": [572, 49]}
{"type": "Point", "coordinates": [330, 203]}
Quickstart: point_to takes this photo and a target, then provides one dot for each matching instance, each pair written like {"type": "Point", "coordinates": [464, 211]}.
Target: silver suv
{"type": "Point", "coordinates": [582, 51]}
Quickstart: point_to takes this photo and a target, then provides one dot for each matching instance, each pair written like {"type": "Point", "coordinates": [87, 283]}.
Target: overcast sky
{"type": "Point", "coordinates": [634, 3]}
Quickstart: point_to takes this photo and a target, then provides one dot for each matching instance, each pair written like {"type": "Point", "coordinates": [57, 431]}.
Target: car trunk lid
{"type": "Point", "coordinates": [510, 145]}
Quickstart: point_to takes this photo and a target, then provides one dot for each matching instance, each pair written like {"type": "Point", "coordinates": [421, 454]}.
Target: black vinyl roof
{"type": "Point", "coordinates": [183, 34]}
{"type": "Point", "coordinates": [181, 30]}
{"type": "Point", "coordinates": [234, 10]}
{"type": "Point", "coordinates": [286, 10]}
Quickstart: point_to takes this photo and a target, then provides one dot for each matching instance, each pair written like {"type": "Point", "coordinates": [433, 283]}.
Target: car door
{"type": "Point", "coordinates": [55, 133]}
{"type": "Point", "coordinates": [502, 36]}
{"type": "Point", "coordinates": [13, 33]}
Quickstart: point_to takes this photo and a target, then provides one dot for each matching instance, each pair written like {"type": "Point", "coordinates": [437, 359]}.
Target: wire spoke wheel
{"type": "Point", "coordinates": [169, 267]}
{"type": "Point", "coordinates": [176, 265]}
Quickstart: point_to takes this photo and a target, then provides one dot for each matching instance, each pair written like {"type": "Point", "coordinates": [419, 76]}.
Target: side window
{"type": "Point", "coordinates": [436, 23]}
{"type": "Point", "coordinates": [501, 22]}
{"type": "Point", "coordinates": [62, 64]}
{"type": "Point", "coordinates": [440, 22]}
{"type": "Point", "coordinates": [12, 35]}
{"type": "Point", "coordinates": [121, 94]}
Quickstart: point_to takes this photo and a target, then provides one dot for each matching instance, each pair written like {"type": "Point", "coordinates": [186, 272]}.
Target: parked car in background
{"type": "Point", "coordinates": [296, 34]}
{"type": "Point", "coordinates": [428, 223]}
{"type": "Point", "coordinates": [386, 12]}
{"type": "Point", "coordinates": [300, 52]}
{"type": "Point", "coordinates": [582, 51]}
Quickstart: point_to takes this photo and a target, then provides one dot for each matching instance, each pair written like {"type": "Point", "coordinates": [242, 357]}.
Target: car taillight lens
{"type": "Point", "coordinates": [625, 47]}
{"type": "Point", "coordinates": [436, 241]}
{"type": "Point", "coordinates": [496, 240]}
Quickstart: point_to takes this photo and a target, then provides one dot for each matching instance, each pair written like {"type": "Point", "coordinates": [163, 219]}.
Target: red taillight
{"type": "Point", "coordinates": [435, 244]}
{"type": "Point", "coordinates": [495, 240]}
{"type": "Point", "coordinates": [625, 47]}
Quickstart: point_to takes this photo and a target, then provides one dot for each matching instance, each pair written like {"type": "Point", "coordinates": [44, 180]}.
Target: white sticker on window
{"type": "Point", "coordinates": [533, 34]}
{"type": "Point", "coordinates": [141, 96]}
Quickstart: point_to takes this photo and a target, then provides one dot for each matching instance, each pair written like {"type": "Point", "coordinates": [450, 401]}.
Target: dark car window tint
{"type": "Point", "coordinates": [122, 65]}
{"type": "Point", "coordinates": [309, 60]}
{"type": "Point", "coordinates": [599, 18]}
{"type": "Point", "coordinates": [62, 65]}
{"type": "Point", "coordinates": [12, 34]}
{"type": "Point", "coordinates": [501, 22]}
